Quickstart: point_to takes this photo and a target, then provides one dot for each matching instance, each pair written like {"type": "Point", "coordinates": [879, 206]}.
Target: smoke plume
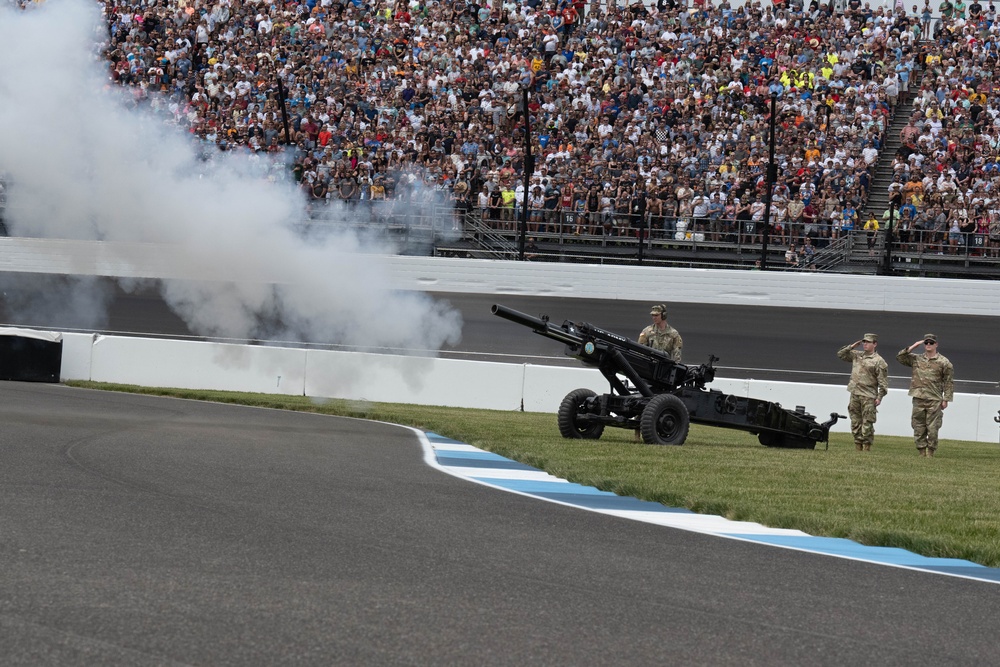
{"type": "Point", "coordinates": [84, 162]}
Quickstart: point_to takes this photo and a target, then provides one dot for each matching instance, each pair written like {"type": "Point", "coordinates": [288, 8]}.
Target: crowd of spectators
{"type": "Point", "coordinates": [946, 174]}
{"type": "Point", "coordinates": [640, 115]}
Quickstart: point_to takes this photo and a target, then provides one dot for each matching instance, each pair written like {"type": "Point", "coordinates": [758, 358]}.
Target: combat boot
{"type": "Point", "coordinates": [930, 453]}
{"type": "Point", "coordinates": [858, 446]}
{"type": "Point", "coordinates": [922, 452]}
{"type": "Point", "coordinates": [868, 447]}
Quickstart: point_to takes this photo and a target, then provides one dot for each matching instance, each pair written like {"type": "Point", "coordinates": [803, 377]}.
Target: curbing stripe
{"type": "Point", "coordinates": [476, 465]}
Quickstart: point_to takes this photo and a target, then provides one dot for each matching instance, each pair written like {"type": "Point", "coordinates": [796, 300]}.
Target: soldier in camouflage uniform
{"type": "Point", "coordinates": [661, 336]}
{"type": "Point", "coordinates": [868, 386]}
{"type": "Point", "coordinates": [932, 389]}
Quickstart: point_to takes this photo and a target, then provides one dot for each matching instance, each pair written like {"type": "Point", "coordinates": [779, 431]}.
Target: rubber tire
{"type": "Point", "coordinates": [572, 406]}
{"type": "Point", "coordinates": [665, 421]}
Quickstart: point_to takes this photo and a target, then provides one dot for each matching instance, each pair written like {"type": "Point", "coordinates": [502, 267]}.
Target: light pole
{"type": "Point", "coordinates": [772, 176]}
{"type": "Point", "coordinates": [529, 169]}
{"type": "Point", "coordinates": [887, 267]}
{"type": "Point", "coordinates": [284, 109]}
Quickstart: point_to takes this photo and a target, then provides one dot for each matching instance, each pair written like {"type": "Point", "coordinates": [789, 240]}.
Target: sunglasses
{"type": "Point", "coordinates": [930, 342]}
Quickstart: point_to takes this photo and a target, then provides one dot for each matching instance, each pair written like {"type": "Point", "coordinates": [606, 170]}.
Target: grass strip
{"type": "Point", "coordinates": [947, 507]}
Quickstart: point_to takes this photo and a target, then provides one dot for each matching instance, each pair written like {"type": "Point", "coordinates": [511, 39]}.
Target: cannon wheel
{"type": "Point", "coordinates": [769, 439]}
{"type": "Point", "coordinates": [665, 421]}
{"type": "Point", "coordinates": [569, 426]}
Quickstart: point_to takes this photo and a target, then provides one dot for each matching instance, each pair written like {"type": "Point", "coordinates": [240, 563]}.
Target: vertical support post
{"type": "Point", "coordinates": [529, 169]}
{"type": "Point", "coordinates": [284, 109]}
{"type": "Point", "coordinates": [772, 176]}
{"type": "Point", "coordinates": [641, 229]}
{"type": "Point", "coordinates": [887, 265]}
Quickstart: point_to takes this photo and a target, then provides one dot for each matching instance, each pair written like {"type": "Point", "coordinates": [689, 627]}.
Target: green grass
{"type": "Point", "coordinates": [948, 506]}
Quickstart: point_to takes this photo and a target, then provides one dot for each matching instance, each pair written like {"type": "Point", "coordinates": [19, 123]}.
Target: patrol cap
{"type": "Point", "coordinates": [870, 338]}
{"type": "Point", "coordinates": [930, 337]}
{"type": "Point", "coordinates": [659, 309]}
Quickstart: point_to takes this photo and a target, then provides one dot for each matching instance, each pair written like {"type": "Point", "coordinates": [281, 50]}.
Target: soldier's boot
{"type": "Point", "coordinates": [921, 451]}
{"type": "Point", "coordinates": [868, 447]}
{"type": "Point", "coordinates": [858, 446]}
{"type": "Point", "coordinates": [930, 453]}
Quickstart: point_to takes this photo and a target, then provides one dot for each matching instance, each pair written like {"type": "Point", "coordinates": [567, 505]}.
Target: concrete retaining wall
{"type": "Point", "coordinates": [589, 281]}
{"type": "Point", "coordinates": [743, 288]}
{"type": "Point", "coordinates": [448, 382]}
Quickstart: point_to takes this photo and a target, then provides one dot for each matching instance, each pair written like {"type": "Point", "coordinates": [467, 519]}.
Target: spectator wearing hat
{"type": "Point", "coordinates": [661, 336]}
{"type": "Point", "coordinates": [868, 385]}
{"type": "Point", "coordinates": [932, 388]}
{"type": "Point", "coordinates": [651, 81]}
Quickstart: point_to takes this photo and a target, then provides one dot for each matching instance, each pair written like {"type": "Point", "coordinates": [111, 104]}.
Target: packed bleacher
{"type": "Point", "coordinates": [643, 116]}
{"type": "Point", "coordinates": [947, 170]}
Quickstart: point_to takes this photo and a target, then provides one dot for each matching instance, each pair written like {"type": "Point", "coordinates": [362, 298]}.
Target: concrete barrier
{"type": "Point", "coordinates": [589, 281]}
{"type": "Point", "coordinates": [788, 289]}
{"type": "Point", "coordinates": [446, 382]}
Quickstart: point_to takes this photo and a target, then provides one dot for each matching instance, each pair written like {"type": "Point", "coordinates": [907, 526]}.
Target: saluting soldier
{"type": "Point", "coordinates": [932, 388]}
{"type": "Point", "coordinates": [868, 385]}
{"type": "Point", "coordinates": [661, 336]}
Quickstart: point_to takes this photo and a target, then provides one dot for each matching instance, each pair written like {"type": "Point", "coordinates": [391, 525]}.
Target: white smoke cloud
{"type": "Point", "coordinates": [85, 164]}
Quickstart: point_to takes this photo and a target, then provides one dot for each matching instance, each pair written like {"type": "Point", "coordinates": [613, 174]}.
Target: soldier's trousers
{"type": "Point", "coordinates": [926, 421]}
{"type": "Point", "coordinates": [863, 414]}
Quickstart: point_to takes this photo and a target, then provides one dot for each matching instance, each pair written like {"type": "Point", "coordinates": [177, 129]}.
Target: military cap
{"type": "Point", "coordinates": [930, 337]}
{"type": "Point", "coordinates": [659, 309]}
{"type": "Point", "coordinates": [870, 338]}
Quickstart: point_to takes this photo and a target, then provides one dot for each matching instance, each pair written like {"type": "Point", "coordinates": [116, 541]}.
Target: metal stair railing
{"type": "Point", "coordinates": [489, 240]}
{"type": "Point", "coordinates": [860, 255]}
{"type": "Point", "coordinates": [833, 255]}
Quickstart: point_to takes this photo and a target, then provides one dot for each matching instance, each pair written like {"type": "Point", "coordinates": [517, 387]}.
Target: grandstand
{"type": "Point", "coordinates": [648, 122]}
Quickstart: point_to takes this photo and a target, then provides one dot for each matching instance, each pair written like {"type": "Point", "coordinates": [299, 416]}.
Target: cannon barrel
{"type": "Point", "coordinates": [517, 316]}
{"type": "Point", "coordinates": [538, 325]}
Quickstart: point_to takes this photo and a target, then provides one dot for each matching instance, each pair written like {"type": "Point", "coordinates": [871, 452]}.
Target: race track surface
{"type": "Point", "coordinates": [147, 531]}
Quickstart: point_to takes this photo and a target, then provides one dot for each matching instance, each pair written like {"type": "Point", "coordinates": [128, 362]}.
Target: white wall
{"type": "Point", "coordinates": [585, 281]}
{"type": "Point", "coordinates": [720, 286]}
{"type": "Point", "coordinates": [447, 382]}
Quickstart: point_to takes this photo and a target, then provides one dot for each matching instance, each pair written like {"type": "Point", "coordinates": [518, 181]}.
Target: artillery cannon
{"type": "Point", "coordinates": [659, 397]}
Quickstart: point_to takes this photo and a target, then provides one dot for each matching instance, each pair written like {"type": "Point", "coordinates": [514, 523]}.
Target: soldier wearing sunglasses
{"type": "Point", "coordinates": [932, 388]}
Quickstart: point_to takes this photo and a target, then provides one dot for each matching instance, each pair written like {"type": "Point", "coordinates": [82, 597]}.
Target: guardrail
{"type": "Point", "coordinates": [427, 229]}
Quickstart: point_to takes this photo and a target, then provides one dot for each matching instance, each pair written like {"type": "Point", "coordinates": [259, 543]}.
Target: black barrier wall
{"type": "Point", "coordinates": [27, 358]}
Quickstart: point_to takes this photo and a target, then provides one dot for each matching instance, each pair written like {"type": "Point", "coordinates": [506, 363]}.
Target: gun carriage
{"type": "Point", "coordinates": [659, 397]}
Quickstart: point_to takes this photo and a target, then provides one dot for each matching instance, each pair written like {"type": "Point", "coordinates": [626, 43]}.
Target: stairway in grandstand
{"type": "Point", "coordinates": [858, 257]}
{"type": "Point", "coordinates": [878, 191]}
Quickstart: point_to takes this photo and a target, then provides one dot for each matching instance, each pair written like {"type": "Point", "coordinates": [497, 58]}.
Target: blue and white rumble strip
{"type": "Point", "coordinates": [491, 469]}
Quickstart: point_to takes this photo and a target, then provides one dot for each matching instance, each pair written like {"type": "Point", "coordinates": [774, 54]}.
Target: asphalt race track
{"type": "Point", "coordinates": [764, 343]}
{"type": "Point", "coordinates": [149, 531]}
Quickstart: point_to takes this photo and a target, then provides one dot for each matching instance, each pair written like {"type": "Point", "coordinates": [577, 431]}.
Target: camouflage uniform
{"type": "Point", "coordinates": [933, 382]}
{"type": "Point", "coordinates": [869, 382]}
{"type": "Point", "coordinates": [667, 340]}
